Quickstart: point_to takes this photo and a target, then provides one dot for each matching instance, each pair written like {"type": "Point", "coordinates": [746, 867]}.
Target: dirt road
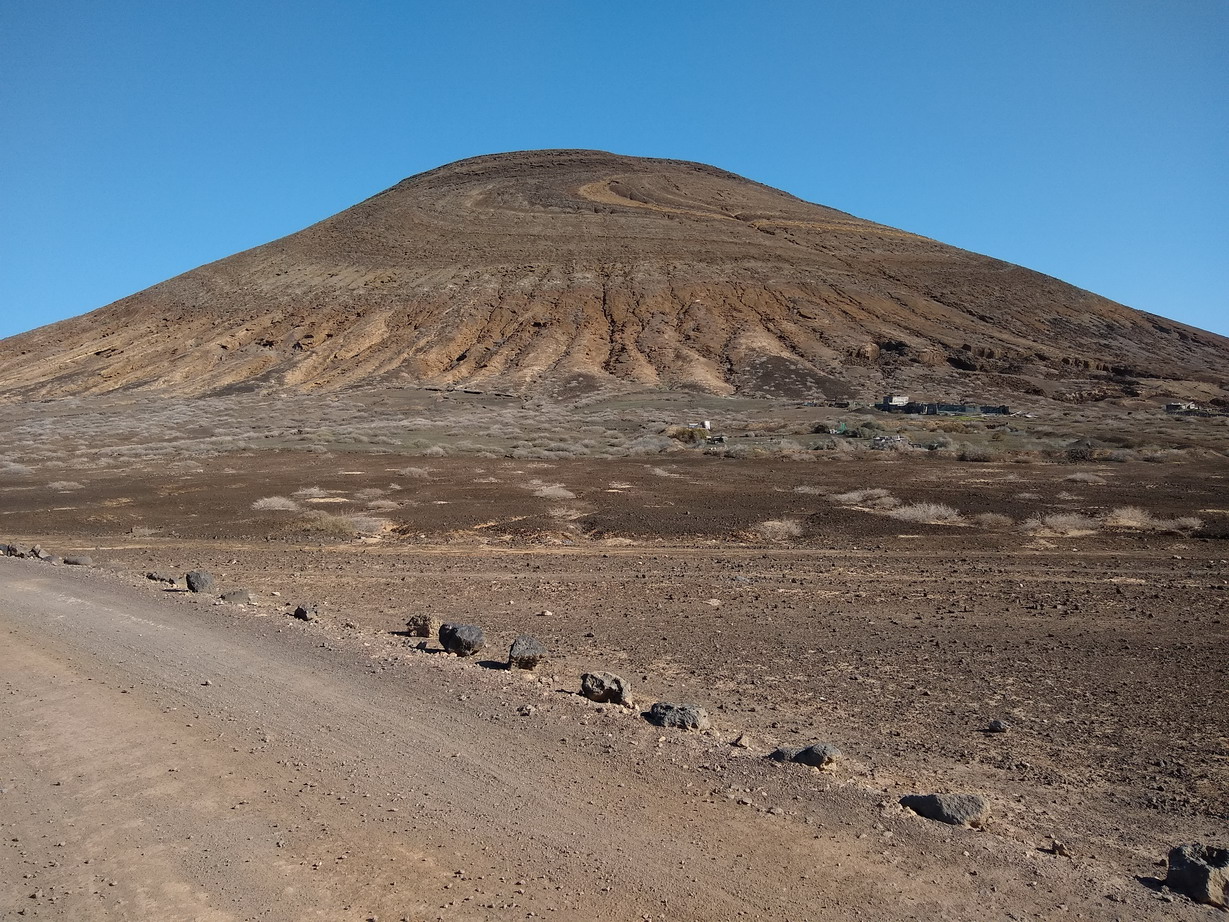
{"type": "Point", "coordinates": [165, 758]}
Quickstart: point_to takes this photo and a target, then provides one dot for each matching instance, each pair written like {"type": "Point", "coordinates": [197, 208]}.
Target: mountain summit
{"type": "Point", "coordinates": [563, 271]}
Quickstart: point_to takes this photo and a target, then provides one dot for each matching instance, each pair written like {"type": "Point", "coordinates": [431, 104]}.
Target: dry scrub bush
{"type": "Point", "coordinates": [648, 445]}
{"type": "Point", "coordinates": [554, 491]}
{"type": "Point", "coordinates": [1084, 477]}
{"type": "Point", "coordinates": [687, 434]}
{"type": "Point", "coordinates": [808, 489]}
{"type": "Point", "coordinates": [383, 505]}
{"type": "Point", "coordinates": [566, 513]}
{"type": "Point", "coordinates": [978, 453]}
{"type": "Point", "coordinates": [1062, 523]}
{"type": "Point", "coordinates": [932, 513]}
{"type": "Point", "coordinates": [15, 469]}
{"type": "Point", "coordinates": [344, 526]}
{"type": "Point", "coordinates": [1185, 523]}
{"type": "Point", "coordinates": [275, 504]}
{"type": "Point", "coordinates": [779, 529]}
{"type": "Point", "coordinates": [1130, 517]}
{"type": "Point", "coordinates": [64, 485]}
{"type": "Point", "coordinates": [1141, 520]}
{"type": "Point", "coordinates": [993, 520]}
{"type": "Point", "coordinates": [310, 493]}
{"type": "Point", "coordinates": [859, 497]}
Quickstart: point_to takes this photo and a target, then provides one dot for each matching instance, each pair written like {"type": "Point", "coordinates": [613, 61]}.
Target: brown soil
{"type": "Point", "coordinates": [561, 272]}
{"type": "Point", "coordinates": [332, 770]}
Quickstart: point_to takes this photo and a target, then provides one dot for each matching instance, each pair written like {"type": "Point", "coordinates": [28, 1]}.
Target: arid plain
{"type": "Point", "coordinates": [623, 406]}
{"type": "Point", "coordinates": [799, 586]}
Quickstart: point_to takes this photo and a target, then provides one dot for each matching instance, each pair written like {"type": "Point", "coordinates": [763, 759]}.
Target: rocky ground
{"type": "Point", "coordinates": [1082, 605]}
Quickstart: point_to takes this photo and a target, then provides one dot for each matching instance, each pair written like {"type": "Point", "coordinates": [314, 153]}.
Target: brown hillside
{"type": "Point", "coordinates": [559, 271]}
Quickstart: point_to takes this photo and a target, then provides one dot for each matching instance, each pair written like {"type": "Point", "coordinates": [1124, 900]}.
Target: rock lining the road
{"type": "Point", "coordinates": [1201, 872]}
{"type": "Point", "coordinates": [526, 652]}
{"type": "Point", "coordinates": [679, 716]}
{"type": "Point", "coordinates": [461, 639]}
{"type": "Point", "coordinates": [953, 809]}
{"type": "Point", "coordinates": [606, 688]}
{"type": "Point", "coordinates": [817, 755]}
{"type": "Point", "coordinates": [307, 611]}
{"type": "Point", "coordinates": [423, 625]}
{"type": "Point", "coordinates": [199, 581]}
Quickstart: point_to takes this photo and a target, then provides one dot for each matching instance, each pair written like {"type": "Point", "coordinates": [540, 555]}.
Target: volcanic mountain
{"type": "Point", "coordinates": [563, 271]}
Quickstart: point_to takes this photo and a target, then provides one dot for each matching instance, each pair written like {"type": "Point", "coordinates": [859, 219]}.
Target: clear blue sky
{"type": "Point", "coordinates": [1088, 139]}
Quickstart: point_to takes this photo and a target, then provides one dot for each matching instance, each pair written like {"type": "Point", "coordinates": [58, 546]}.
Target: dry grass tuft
{"type": "Point", "coordinates": [419, 473]}
{"type": "Point", "coordinates": [275, 504]}
{"type": "Point", "coordinates": [779, 529]}
{"type": "Point", "coordinates": [1084, 477]}
{"type": "Point", "coordinates": [554, 491]}
{"type": "Point", "coordinates": [64, 485]}
{"type": "Point", "coordinates": [993, 520]}
{"type": "Point", "coordinates": [860, 497]}
{"type": "Point", "coordinates": [344, 526]}
{"type": "Point", "coordinates": [1142, 520]}
{"type": "Point", "coordinates": [1067, 524]}
{"type": "Point", "coordinates": [310, 493]}
{"type": "Point", "coordinates": [932, 513]}
{"type": "Point", "coordinates": [1130, 517]}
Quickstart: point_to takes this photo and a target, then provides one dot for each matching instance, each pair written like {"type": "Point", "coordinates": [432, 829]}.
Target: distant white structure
{"type": "Point", "coordinates": [896, 400]}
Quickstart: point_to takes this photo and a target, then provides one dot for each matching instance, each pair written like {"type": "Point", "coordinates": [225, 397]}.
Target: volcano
{"type": "Point", "coordinates": [562, 272]}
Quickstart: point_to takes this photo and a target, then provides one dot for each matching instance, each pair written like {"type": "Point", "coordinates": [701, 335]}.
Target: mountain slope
{"type": "Point", "coordinates": [562, 271]}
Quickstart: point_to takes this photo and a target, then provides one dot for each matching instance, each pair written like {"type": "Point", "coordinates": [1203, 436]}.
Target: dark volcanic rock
{"type": "Point", "coordinates": [1201, 872]}
{"type": "Point", "coordinates": [526, 653]}
{"type": "Point", "coordinates": [605, 688]}
{"type": "Point", "coordinates": [678, 716]}
{"type": "Point", "coordinates": [785, 753]}
{"type": "Point", "coordinates": [818, 755]}
{"type": "Point", "coordinates": [306, 612]}
{"type": "Point", "coordinates": [461, 639]}
{"type": "Point", "coordinates": [200, 581]}
{"type": "Point", "coordinates": [954, 809]}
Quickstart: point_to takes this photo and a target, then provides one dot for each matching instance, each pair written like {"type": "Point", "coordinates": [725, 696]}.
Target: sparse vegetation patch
{"type": "Point", "coordinates": [275, 504]}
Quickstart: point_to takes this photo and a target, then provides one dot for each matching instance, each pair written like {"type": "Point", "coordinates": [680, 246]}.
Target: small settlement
{"type": "Point", "coordinates": [896, 403]}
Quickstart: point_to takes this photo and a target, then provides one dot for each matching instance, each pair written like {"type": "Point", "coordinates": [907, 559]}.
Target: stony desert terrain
{"type": "Point", "coordinates": [859, 664]}
{"type": "Point", "coordinates": [171, 756]}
